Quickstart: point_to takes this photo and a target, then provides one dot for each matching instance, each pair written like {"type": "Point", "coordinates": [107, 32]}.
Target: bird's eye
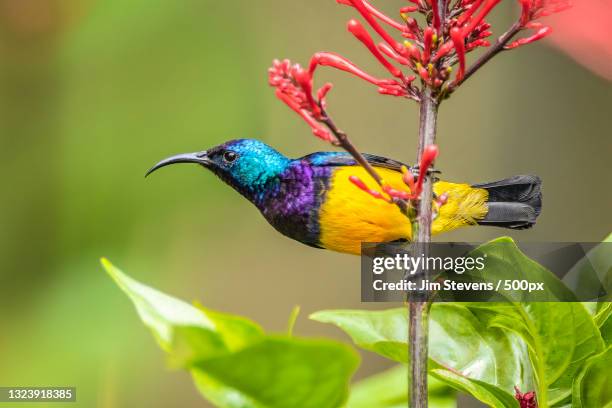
{"type": "Point", "coordinates": [229, 156]}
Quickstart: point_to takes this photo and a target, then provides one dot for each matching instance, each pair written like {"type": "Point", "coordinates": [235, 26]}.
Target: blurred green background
{"type": "Point", "coordinates": [92, 93]}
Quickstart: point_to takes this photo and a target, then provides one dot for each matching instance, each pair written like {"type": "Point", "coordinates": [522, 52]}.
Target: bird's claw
{"type": "Point", "coordinates": [431, 172]}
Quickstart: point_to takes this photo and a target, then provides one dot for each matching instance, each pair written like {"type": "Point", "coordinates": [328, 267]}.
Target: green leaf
{"type": "Point", "coordinates": [162, 313]}
{"type": "Point", "coordinates": [488, 348]}
{"type": "Point", "coordinates": [287, 372]}
{"type": "Point", "coordinates": [383, 332]}
{"type": "Point", "coordinates": [234, 363]}
{"type": "Point", "coordinates": [606, 330]}
{"type": "Point", "coordinates": [504, 260]}
{"type": "Point", "coordinates": [388, 390]}
{"type": "Point", "coordinates": [592, 386]}
{"type": "Point", "coordinates": [463, 350]}
{"type": "Point", "coordinates": [487, 393]}
{"type": "Point", "coordinates": [559, 337]}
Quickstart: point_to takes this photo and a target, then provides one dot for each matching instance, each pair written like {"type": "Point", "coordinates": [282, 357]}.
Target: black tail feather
{"type": "Point", "coordinates": [513, 203]}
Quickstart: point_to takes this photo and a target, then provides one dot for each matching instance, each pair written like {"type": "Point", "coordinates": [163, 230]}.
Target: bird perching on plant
{"type": "Point", "coordinates": [315, 199]}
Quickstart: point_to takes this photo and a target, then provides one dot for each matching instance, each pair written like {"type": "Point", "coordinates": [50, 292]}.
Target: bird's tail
{"type": "Point", "coordinates": [513, 203]}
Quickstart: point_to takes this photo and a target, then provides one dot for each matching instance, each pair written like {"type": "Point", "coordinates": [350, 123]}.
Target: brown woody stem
{"type": "Point", "coordinates": [418, 308]}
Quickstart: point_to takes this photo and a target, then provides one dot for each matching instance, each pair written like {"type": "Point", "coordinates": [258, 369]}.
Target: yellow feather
{"type": "Point", "coordinates": [350, 216]}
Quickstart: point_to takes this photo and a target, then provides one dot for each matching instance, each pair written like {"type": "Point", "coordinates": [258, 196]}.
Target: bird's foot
{"type": "Point", "coordinates": [431, 172]}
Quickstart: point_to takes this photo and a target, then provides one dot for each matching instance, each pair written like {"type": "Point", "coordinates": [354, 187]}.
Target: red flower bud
{"type": "Point", "coordinates": [427, 42]}
{"type": "Point", "coordinates": [436, 15]}
{"type": "Point", "coordinates": [427, 158]}
{"type": "Point", "coordinates": [541, 33]}
{"type": "Point", "coordinates": [341, 63]}
{"type": "Point", "coordinates": [458, 39]}
{"type": "Point", "coordinates": [365, 13]}
{"type": "Point", "coordinates": [362, 186]}
{"type": "Point", "coordinates": [377, 13]}
{"type": "Point", "coordinates": [389, 52]}
{"type": "Point", "coordinates": [362, 35]}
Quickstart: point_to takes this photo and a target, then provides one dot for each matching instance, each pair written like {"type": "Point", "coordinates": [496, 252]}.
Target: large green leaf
{"type": "Point", "coordinates": [163, 313]}
{"type": "Point", "coordinates": [234, 363]}
{"type": "Point", "coordinates": [505, 261]}
{"type": "Point", "coordinates": [466, 354]}
{"type": "Point", "coordinates": [559, 337]}
{"type": "Point", "coordinates": [383, 332]}
{"type": "Point", "coordinates": [388, 390]}
{"type": "Point", "coordinates": [488, 348]}
{"type": "Point", "coordinates": [592, 386]}
{"type": "Point", "coordinates": [286, 372]}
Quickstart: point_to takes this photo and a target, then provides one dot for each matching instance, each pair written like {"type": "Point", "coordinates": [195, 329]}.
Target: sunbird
{"type": "Point", "coordinates": [312, 200]}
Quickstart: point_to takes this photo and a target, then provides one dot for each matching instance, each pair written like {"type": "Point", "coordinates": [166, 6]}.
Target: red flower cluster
{"type": "Point", "coordinates": [294, 87]}
{"type": "Point", "coordinates": [532, 10]}
{"type": "Point", "coordinates": [415, 188]}
{"type": "Point", "coordinates": [428, 52]}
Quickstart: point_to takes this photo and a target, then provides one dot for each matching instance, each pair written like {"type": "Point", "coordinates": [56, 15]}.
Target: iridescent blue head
{"type": "Point", "coordinates": [248, 165]}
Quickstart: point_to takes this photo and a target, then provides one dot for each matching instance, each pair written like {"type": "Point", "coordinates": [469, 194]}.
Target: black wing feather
{"type": "Point", "coordinates": [345, 159]}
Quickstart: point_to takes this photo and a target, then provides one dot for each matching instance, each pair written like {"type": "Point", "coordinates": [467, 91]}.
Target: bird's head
{"type": "Point", "coordinates": [248, 165]}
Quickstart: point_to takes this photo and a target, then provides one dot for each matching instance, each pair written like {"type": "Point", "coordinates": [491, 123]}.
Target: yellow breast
{"type": "Point", "coordinates": [350, 216]}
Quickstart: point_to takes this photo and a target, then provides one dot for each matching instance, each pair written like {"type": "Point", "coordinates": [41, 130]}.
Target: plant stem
{"type": "Point", "coordinates": [418, 309]}
{"type": "Point", "coordinates": [344, 142]}
{"type": "Point", "coordinates": [491, 52]}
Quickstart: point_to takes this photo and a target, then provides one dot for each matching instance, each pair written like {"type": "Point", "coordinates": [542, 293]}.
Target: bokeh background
{"type": "Point", "coordinates": [92, 93]}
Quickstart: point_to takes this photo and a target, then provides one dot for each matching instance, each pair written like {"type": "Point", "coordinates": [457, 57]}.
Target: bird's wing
{"type": "Point", "coordinates": [345, 159]}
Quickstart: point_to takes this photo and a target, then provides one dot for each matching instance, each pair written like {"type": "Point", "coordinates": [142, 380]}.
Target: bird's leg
{"type": "Point", "coordinates": [431, 172]}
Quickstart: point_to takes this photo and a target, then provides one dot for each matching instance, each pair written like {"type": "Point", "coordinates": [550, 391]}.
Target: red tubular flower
{"type": "Point", "coordinates": [365, 13]}
{"type": "Point", "coordinates": [471, 8]}
{"type": "Point", "coordinates": [436, 15]}
{"type": "Point", "coordinates": [427, 42]}
{"type": "Point", "coordinates": [389, 52]}
{"type": "Point", "coordinates": [386, 86]}
{"type": "Point", "coordinates": [532, 10]}
{"type": "Point", "coordinates": [484, 11]}
{"type": "Point", "coordinates": [304, 80]}
{"type": "Point", "coordinates": [394, 193]}
{"type": "Point", "coordinates": [423, 73]}
{"type": "Point", "coordinates": [376, 13]}
{"type": "Point", "coordinates": [294, 87]}
{"type": "Point", "coordinates": [362, 186]}
{"type": "Point", "coordinates": [339, 62]}
{"type": "Point", "coordinates": [427, 158]}
{"type": "Point", "coordinates": [362, 35]}
{"type": "Point", "coordinates": [539, 34]}
{"type": "Point", "coordinates": [462, 26]}
{"type": "Point", "coordinates": [408, 178]}
{"type": "Point", "coordinates": [457, 36]}
{"type": "Point", "coordinates": [415, 188]}
{"type": "Point", "coordinates": [408, 9]}
{"type": "Point", "coordinates": [412, 28]}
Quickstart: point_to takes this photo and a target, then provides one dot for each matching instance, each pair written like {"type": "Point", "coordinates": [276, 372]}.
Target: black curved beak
{"type": "Point", "coordinates": [199, 158]}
